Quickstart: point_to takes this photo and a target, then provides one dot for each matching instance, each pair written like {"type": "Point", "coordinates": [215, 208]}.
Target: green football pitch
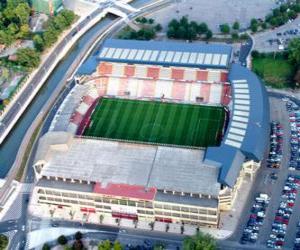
{"type": "Point", "coordinates": [157, 122]}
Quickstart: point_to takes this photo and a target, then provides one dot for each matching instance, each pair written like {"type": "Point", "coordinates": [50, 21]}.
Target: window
{"type": "Point", "coordinates": [123, 202]}
{"type": "Point", "coordinates": [184, 209]}
{"type": "Point", "coordinates": [131, 203]}
{"type": "Point", "coordinates": [158, 206]}
{"type": "Point", "coordinates": [176, 208]}
{"type": "Point", "coordinates": [106, 207]}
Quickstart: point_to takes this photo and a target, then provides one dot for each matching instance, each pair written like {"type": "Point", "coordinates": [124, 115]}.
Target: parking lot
{"type": "Point", "coordinates": [270, 40]}
{"type": "Point", "coordinates": [265, 183]}
{"type": "Point", "coordinates": [215, 12]}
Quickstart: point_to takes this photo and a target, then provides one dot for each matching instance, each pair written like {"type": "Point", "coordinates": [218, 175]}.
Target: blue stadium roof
{"type": "Point", "coordinates": [248, 130]}
{"type": "Point", "coordinates": [166, 53]}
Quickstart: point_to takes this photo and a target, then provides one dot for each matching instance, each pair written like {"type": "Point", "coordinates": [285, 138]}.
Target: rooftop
{"type": "Point", "coordinates": [113, 162]}
{"type": "Point", "coordinates": [166, 53]}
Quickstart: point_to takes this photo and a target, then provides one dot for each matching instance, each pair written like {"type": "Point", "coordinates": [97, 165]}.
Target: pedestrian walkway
{"type": "Point", "coordinates": [26, 187]}
{"type": "Point", "coordinates": [15, 210]}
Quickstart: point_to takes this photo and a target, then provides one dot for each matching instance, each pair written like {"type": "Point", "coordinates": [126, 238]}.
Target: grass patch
{"type": "Point", "coordinates": [157, 122]}
{"type": "Point", "coordinates": [277, 73]}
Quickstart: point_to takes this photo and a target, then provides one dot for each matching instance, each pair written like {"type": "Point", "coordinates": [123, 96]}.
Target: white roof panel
{"type": "Point", "coordinates": [139, 55]}
{"type": "Point", "coordinates": [241, 107]}
{"type": "Point", "coordinates": [240, 119]}
{"type": "Point", "coordinates": [154, 55]}
{"type": "Point", "coordinates": [223, 61]}
{"type": "Point", "coordinates": [216, 59]}
{"type": "Point", "coordinates": [132, 54]}
{"type": "Point", "coordinates": [235, 137]}
{"type": "Point", "coordinates": [110, 52]}
{"type": "Point", "coordinates": [200, 58]}
{"type": "Point", "coordinates": [242, 96]}
{"type": "Point", "coordinates": [238, 101]}
{"type": "Point", "coordinates": [147, 55]}
{"type": "Point", "coordinates": [103, 52]}
{"type": "Point", "coordinates": [177, 57]}
{"type": "Point", "coordinates": [240, 81]}
{"type": "Point", "coordinates": [124, 53]}
{"type": "Point", "coordinates": [117, 53]}
{"type": "Point", "coordinates": [241, 113]}
{"type": "Point", "coordinates": [233, 143]}
{"type": "Point", "coordinates": [241, 91]}
{"type": "Point", "coordinates": [238, 125]}
{"type": "Point", "coordinates": [193, 58]}
{"type": "Point", "coordinates": [169, 56]}
{"type": "Point", "coordinates": [208, 59]}
{"type": "Point", "coordinates": [237, 131]}
{"type": "Point", "coordinates": [162, 56]}
{"type": "Point", "coordinates": [185, 57]}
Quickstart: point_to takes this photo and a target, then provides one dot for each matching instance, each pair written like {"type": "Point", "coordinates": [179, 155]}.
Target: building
{"type": "Point", "coordinates": [152, 181]}
{"type": "Point", "coordinates": [49, 7]}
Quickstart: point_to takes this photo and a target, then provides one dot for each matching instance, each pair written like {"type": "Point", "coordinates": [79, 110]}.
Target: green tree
{"type": "Point", "coordinates": [49, 37]}
{"type": "Point", "coordinates": [78, 235]}
{"type": "Point", "coordinates": [151, 21]}
{"type": "Point", "coordinates": [68, 15]}
{"type": "Point", "coordinates": [22, 11]}
{"type": "Point", "coordinates": [158, 27]}
{"type": "Point", "coordinates": [46, 247]}
{"type": "Point", "coordinates": [202, 28]}
{"type": "Point", "coordinates": [224, 28]}
{"type": "Point", "coordinates": [208, 34]}
{"type": "Point", "coordinates": [171, 33]}
{"type": "Point", "coordinates": [62, 240]}
{"type": "Point", "coordinates": [253, 25]}
{"type": "Point", "coordinates": [24, 31]}
{"type": "Point", "coordinates": [174, 24]}
{"type": "Point", "coordinates": [117, 245]}
{"type": "Point", "coordinates": [105, 245]}
{"type": "Point", "coordinates": [255, 54]}
{"type": "Point", "coordinates": [3, 241]}
{"type": "Point", "coordinates": [294, 51]}
{"type": "Point", "coordinates": [199, 242]}
{"type": "Point", "coordinates": [28, 57]}
{"type": "Point", "coordinates": [236, 25]}
{"type": "Point", "coordinates": [235, 36]}
{"type": "Point", "coordinates": [143, 20]}
{"type": "Point", "coordinates": [38, 43]}
{"type": "Point", "coordinates": [5, 37]}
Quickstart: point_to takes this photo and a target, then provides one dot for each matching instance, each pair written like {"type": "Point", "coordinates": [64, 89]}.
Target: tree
{"type": "Point", "coordinates": [3, 241]}
{"type": "Point", "coordinates": [62, 240]}
{"type": "Point", "coordinates": [46, 247]}
{"type": "Point", "coordinates": [202, 28]}
{"type": "Point", "coordinates": [199, 242]}
{"type": "Point", "coordinates": [104, 245]}
{"type": "Point", "coordinates": [49, 37]}
{"type": "Point", "coordinates": [22, 11]}
{"type": "Point", "coordinates": [209, 34]}
{"type": "Point", "coordinates": [236, 25]}
{"type": "Point", "coordinates": [235, 36]}
{"type": "Point", "coordinates": [68, 15]}
{"type": "Point", "coordinates": [264, 25]}
{"type": "Point", "coordinates": [78, 235]}
{"type": "Point", "coordinates": [294, 51]}
{"type": "Point", "coordinates": [253, 25]}
{"type": "Point", "coordinates": [28, 57]}
{"type": "Point", "coordinates": [158, 27]}
{"type": "Point", "coordinates": [255, 54]}
{"type": "Point", "coordinates": [117, 245]}
{"type": "Point", "coordinates": [23, 32]}
{"type": "Point", "coordinates": [224, 28]}
{"type": "Point", "coordinates": [151, 21]}
{"type": "Point", "coordinates": [174, 24]}
{"type": "Point", "coordinates": [77, 245]}
{"type": "Point", "coordinates": [170, 33]}
{"type": "Point", "coordinates": [143, 20]}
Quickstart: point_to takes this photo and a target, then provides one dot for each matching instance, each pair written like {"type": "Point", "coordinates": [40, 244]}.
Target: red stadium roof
{"type": "Point", "coordinates": [125, 190]}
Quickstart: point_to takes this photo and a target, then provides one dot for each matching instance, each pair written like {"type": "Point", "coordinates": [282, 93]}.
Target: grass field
{"type": "Point", "coordinates": [277, 72]}
{"type": "Point", "coordinates": [157, 122]}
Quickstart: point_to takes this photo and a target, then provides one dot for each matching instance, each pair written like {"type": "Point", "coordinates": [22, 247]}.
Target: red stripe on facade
{"type": "Point", "coordinates": [224, 76]}
{"type": "Point", "coordinates": [177, 74]}
{"type": "Point", "coordinates": [178, 90]}
{"type": "Point", "coordinates": [105, 68]}
{"type": "Point", "coordinates": [125, 190]}
{"type": "Point", "coordinates": [226, 94]}
{"type": "Point", "coordinates": [102, 86]}
{"type": "Point", "coordinates": [88, 100]}
{"type": "Point", "coordinates": [76, 118]}
{"type": "Point", "coordinates": [122, 86]}
{"type": "Point", "coordinates": [202, 75]}
{"type": "Point", "coordinates": [153, 72]}
{"type": "Point", "coordinates": [205, 91]}
{"type": "Point", "coordinates": [129, 70]}
{"type": "Point", "coordinates": [148, 88]}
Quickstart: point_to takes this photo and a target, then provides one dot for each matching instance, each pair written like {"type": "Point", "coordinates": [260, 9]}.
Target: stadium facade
{"type": "Point", "coordinates": [147, 180]}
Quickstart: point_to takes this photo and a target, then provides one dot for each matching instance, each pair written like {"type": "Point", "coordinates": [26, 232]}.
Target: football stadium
{"type": "Point", "coordinates": [153, 132]}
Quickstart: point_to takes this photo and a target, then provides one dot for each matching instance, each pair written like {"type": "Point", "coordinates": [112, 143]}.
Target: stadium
{"type": "Point", "coordinates": [152, 131]}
